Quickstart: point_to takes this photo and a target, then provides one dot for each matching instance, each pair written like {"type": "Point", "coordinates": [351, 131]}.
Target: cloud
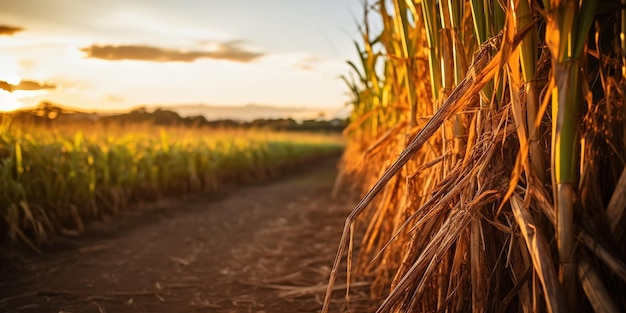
{"type": "Point", "coordinates": [6, 30]}
{"type": "Point", "coordinates": [29, 85]}
{"type": "Point", "coordinates": [229, 50]}
{"type": "Point", "coordinates": [307, 62]}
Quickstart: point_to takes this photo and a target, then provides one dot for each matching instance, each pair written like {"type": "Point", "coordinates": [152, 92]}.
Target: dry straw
{"type": "Point", "coordinates": [499, 128]}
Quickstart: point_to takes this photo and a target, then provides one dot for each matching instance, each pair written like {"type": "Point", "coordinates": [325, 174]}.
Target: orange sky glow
{"type": "Point", "coordinates": [115, 55]}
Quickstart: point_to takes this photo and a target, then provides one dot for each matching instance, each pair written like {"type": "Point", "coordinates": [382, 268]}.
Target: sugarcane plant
{"type": "Point", "coordinates": [55, 180]}
{"type": "Point", "coordinates": [491, 181]}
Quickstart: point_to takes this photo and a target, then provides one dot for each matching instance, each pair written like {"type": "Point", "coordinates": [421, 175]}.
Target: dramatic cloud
{"type": "Point", "coordinates": [26, 85]}
{"type": "Point", "coordinates": [6, 30]}
{"type": "Point", "coordinates": [6, 86]}
{"type": "Point", "coordinates": [229, 50]}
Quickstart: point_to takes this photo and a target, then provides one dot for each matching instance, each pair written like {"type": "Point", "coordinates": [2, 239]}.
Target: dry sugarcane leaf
{"type": "Point", "coordinates": [617, 205]}
{"type": "Point", "coordinates": [614, 263]}
{"type": "Point", "coordinates": [540, 254]}
{"type": "Point", "coordinates": [595, 290]}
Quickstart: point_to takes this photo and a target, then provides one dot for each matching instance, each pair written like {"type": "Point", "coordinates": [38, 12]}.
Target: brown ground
{"type": "Point", "coordinates": [260, 248]}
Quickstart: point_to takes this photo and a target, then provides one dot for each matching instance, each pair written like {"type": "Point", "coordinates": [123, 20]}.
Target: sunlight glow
{"type": "Point", "coordinates": [12, 79]}
{"type": "Point", "coordinates": [8, 101]}
{"type": "Point", "coordinates": [10, 70]}
{"type": "Point", "coordinates": [24, 94]}
{"type": "Point", "coordinates": [234, 54]}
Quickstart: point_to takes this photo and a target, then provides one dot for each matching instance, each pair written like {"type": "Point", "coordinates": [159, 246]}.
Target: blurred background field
{"type": "Point", "coordinates": [60, 173]}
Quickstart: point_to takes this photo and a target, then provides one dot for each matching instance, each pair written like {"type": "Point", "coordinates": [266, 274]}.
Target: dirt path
{"type": "Point", "coordinates": [261, 248]}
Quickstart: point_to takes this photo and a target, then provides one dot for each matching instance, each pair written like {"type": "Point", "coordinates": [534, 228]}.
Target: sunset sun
{"type": "Point", "coordinates": [8, 101]}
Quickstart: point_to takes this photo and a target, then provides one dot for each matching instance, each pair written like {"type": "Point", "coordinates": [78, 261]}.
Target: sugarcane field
{"type": "Point", "coordinates": [313, 156]}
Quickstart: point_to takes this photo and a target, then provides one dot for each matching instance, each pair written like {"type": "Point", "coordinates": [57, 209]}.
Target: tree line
{"type": "Point", "coordinates": [49, 114]}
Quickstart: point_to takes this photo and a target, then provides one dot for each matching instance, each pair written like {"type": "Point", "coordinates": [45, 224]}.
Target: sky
{"type": "Point", "coordinates": [113, 55]}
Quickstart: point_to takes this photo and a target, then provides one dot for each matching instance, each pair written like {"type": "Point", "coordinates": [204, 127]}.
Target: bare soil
{"type": "Point", "coordinates": [258, 248]}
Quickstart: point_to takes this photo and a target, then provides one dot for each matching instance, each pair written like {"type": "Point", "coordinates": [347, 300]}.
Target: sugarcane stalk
{"type": "Point", "coordinates": [455, 11]}
{"type": "Point", "coordinates": [447, 49]}
{"type": "Point", "coordinates": [406, 52]}
{"type": "Point", "coordinates": [566, 31]}
{"type": "Point", "coordinates": [623, 46]}
{"type": "Point", "coordinates": [528, 60]}
{"type": "Point", "coordinates": [566, 156]}
{"type": "Point", "coordinates": [480, 17]}
{"type": "Point", "coordinates": [432, 31]}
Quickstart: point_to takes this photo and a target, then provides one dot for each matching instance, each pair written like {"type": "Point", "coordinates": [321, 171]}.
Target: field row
{"type": "Point", "coordinates": [53, 181]}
